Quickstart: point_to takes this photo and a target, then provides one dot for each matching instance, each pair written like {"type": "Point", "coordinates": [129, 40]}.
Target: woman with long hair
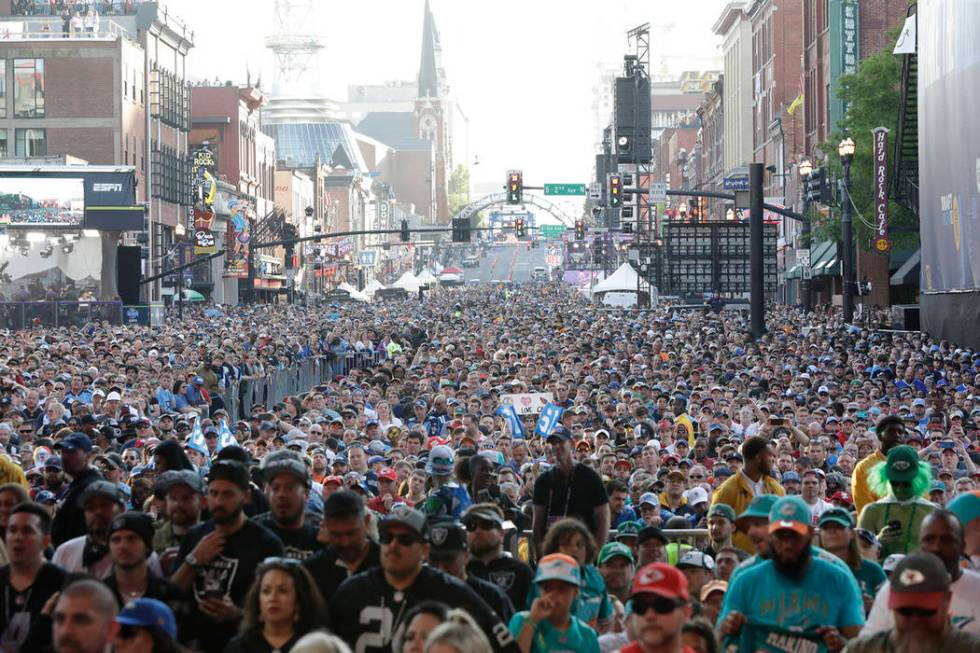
{"type": "Point", "coordinates": [421, 620]}
{"type": "Point", "coordinates": [283, 605]}
{"type": "Point", "coordinates": [457, 634]}
{"type": "Point", "coordinates": [837, 536]}
{"type": "Point", "coordinates": [170, 456]}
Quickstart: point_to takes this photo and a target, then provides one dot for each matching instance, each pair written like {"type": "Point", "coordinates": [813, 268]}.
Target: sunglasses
{"type": "Point", "coordinates": [482, 524]}
{"type": "Point", "coordinates": [659, 604]}
{"type": "Point", "coordinates": [128, 631]}
{"type": "Point", "coordinates": [915, 612]}
{"type": "Point", "coordinates": [404, 539]}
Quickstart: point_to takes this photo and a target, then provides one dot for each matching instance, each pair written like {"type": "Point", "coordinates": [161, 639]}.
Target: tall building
{"type": "Point", "coordinates": [433, 113]}
{"type": "Point", "coordinates": [734, 28]}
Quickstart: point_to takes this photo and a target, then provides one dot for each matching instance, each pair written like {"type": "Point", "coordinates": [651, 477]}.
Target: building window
{"type": "Point", "coordinates": [3, 143]}
{"type": "Point", "coordinates": [3, 90]}
{"type": "Point", "coordinates": [31, 142]}
{"type": "Point", "coordinates": [29, 88]}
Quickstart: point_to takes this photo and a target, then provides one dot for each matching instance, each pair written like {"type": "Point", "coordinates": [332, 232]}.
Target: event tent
{"type": "Point", "coordinates": [408, 282]}
{"type": "Point", "coordinates": [354, 293]}
{"type": "Point", "coordinates": [372, 287]}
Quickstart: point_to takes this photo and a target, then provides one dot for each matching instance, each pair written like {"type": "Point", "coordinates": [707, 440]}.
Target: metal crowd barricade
{"type": "Point", "coordinates": [293, 380]}
{"type": "Point", "coordinates": [683, 535]}
{"type": "Point", "coordinates": [53, 314]}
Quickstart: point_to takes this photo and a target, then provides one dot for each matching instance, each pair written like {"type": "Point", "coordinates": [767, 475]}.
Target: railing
{"type": "Point", "coordinates": [27, 315]}
{"type": "Point", "coordinates": [683, 535]}
{"type": "Point", "coordinates": [47, 8]}
{"type": "Point", "coordinates": [43, 29]}
{"type": "Point", "coordinates": [300, 378]}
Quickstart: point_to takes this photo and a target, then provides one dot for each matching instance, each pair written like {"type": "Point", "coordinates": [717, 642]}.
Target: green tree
{"type": "Point", "coordinates": [872, 96]}
{"type": "Point", "coordinates": [459, 189]}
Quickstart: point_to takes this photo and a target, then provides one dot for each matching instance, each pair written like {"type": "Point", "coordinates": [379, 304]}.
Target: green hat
{"type": "Point", "coordinates": [902, 464]}
{"type": "Point", "coordinates": [628, 529]}
{"type": "Point", "coordinates": [722, 510]}
{"type": "Point", "coordinates": [838, 516]}
{"type": "Point", "coordinates": [759, 507]}
{"type": "Point", "coordinates": [614, 549]}
{"type": "Point", "coordinates": [792, 513]}
{"type": "Point", "coordinates": [966, 507]}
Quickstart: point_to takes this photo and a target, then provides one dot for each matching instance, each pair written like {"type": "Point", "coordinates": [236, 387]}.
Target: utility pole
{"type": "Point", "coordinates": [805, 170]}
{"type": "Point", "coordinates": [757, 301]}
{"type": "Point", "coordinates": [846, 151]}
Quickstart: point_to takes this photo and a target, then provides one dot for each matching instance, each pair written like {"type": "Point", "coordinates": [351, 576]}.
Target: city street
{"type": "Point", "coordinates": [510, 262]}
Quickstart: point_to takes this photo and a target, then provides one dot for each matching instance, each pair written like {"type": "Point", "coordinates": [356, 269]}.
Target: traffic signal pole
{"type": "Point", "coordinates": [757, 296]}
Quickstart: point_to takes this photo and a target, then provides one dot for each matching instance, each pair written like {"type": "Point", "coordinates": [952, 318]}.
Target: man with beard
{"type": "Point", "coordinates": [942, 535]}
{"type": "Point", "coordinates": [99, 504]}
{"type": "Point", "coordinates": [721, 527]}
{"type": "Point", "coordinates": [368, 609]}
{"type": "Point", "coordinates": [219, 557]}
{"type": "Point", "coordinates": [484, 524]}
{"type": "Point", "coordinates": [184, 495]}
{"type": "Point", "coordinates": [54, 476]}
{"type": "Point", "coordinates": [791, 592]}
{"type": "Point", "coordinates": [753, 480]}
{"type": "Point", "coordinates": [891, 433]}
{"type": "Point", "coordinates": [919, 600]}
{"type": "Point", "coordinates": [84, 618]}
{"type": "Point", "coordinates": [345, 527]}
{"type": "Point", "coordinates": [287, 485]}
{"type": "Point", "coordinates": [659, 606]}
{"type": "Point", "coordinates": [76, 449]}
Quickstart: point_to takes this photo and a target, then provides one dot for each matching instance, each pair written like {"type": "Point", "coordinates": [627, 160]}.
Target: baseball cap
{"type": "Point", "coordinates": [174, 477]}
{"type": "Point", "coordinates": [333, 479]}
{"type": "Point", "coordinates": [697, 495]}
{"type": "Point", "coordinates": [406, 516]}
{"type": "Point", "coordinates": [722, 510]}
{"type": "Point", "coordinates": [919, 402]}
{"type": "Point", "coordinates": [660, 579]}
{"type": "Point", "coordinates": [711, 587]}
{"type": "Point", "coordinates": [836, 516]}
{"type": "Point", "coordinates": [869, 537]}
{"type": "Point", "coordinates": [721, 471]}
{"type": "Point", "coordinates": [628, 529]}
{"type": "Point", "coordinates": [759, 507]}
{"type": "Point", "coordinates": [148, 613]}
{"type": "Point", "coordinates": [54, 462]}
{"type": "Point", "coordinates": [920, 580]}
{"type": "Point", "coordinates": [477, 513]}
{"type": "Point", "coordinates": [696, 559]}
{"type": "Point", "coordinates": [447, 538]}
{"type": "Point", "coordinates": [612, 550]}
{"type": "Point", "coordinates": [790, 512]}
{"type": "Point", "coordinates": [388, 474]}
{"type": "Point", "coordinates": [100, 488]}
{"type": "Point", "coordinates": [440, 461]}
{"type": "Point", "coordinates": [557, 566]}
{"type": "Point", "coordinates": [902, 463]}
{"type": "Point", "coordinates": [76, 440]}
{"type": "Point", "coordinates": [561, 433]}
{"type": "Point", "coordinates": [889, 564]}
{"type": "Point", "coordinates": [44, 496]}
{"type": "Point", "coordinates": [650, 498]}
{"type": "Point", "coordinates": [966, 507]}
{"type": "Point", "coordinates": [113, 396]}
{"type": "Point", "coordinates": [650, 533]}
{"type": "Point", "coordinates": [791, 476]}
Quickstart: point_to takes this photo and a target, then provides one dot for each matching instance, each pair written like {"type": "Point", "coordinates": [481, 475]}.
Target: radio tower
{"type": "Point", "coordinates": [295, 49]}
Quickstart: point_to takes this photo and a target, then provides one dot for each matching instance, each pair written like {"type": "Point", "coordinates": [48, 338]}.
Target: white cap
{"type": "Point", "coordinates": [823, 388]}
{"type": "Point", "coordinates": [113, 396]}
{"type": "Point", "coordinates": [697, 495]}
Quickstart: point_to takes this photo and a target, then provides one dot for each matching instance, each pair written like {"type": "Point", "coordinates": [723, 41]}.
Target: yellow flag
{"type": "Point", "coordinates": [796, 104]}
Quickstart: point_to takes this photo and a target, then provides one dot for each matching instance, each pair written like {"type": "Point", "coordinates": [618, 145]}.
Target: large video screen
{"type": "Point", "coordinates": [42, 201]}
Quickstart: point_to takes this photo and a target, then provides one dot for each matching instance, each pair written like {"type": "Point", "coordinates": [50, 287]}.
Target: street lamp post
{"type": "Point", "coordinates": [805, 168]}
{"type": "Point", "coordinates": [846, 151]}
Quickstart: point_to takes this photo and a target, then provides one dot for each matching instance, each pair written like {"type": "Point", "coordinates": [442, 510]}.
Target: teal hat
{"type": "Point", "coordinates": [790, 513]}
{"type": "Point", "coordinates": [966, 507]}
{"type": "Point", "coordinates": [902, 464]}
{"type": "Point", "coordinates": [722, 510]}
{"type": "Point", "coordinates": [628, 529]}
{"type": "Point", "coordinates": [759, 507]}
{"type": "Point", "coordinates": [837, 516]}
{"type": "Point", "coordinates": [614, 549]}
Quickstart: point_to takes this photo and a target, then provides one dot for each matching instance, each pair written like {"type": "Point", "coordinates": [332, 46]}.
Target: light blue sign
{"type": "Point", "coordinates": [548, 420]}
{"type": "Point", "coordinates": [367, 257]}
{"type": "Point", "coordinates": [509, 413]}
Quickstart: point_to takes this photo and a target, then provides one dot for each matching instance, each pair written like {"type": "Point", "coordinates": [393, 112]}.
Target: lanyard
{"type": "Point", "coordinates": [568, 493]}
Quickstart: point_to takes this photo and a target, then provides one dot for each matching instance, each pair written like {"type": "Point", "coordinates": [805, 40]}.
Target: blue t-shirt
{"type": "Point", "coordinates": [577, 638]}
{"type": "Point", "coordinates": [825, 596]}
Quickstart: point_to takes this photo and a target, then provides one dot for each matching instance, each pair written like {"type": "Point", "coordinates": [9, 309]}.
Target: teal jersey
{"type": "Point", "coordinates": [816, 552]}
{"type": "Point", "coordinates": [592, 605]}
{"type": "Point", "coordinates": [577, 638]}
{"type": "Point", "coordinates": [759, 638]}
{"type": "Point", "coordinates": [824, 596]}
{"type": "Point", "coordinates": [870, 577]}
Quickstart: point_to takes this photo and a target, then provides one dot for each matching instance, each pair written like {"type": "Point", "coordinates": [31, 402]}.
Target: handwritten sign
{"type": "Point", "coordinates": [530, 403]}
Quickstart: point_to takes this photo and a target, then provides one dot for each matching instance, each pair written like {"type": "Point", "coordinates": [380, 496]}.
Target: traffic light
{"type": "Point", "coordinates": [404, 236]}
{"type": "Point", "coordinates": [461, 230]}
{"type": "Point", "coordinates": [615, 191]}
{"type": "Point", "coordinates": [817, 189]}
{"type": "Point", "coordinates": [519, 227]}
{"type": "Point", "coordinates": [515, 186]}
{"type": "Point", "coordinates": [579, 230]}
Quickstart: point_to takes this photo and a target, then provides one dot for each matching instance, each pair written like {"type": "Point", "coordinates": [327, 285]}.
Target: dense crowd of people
{"type": "Point", "coordinates": [516, 470]}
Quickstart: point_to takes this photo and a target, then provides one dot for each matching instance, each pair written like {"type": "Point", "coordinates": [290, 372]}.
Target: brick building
{"type": "Point", "coordinates": [711, 150]}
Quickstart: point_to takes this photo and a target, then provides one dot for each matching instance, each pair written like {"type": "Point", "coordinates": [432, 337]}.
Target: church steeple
{"type": "Point", "coordinates": [430, 69]}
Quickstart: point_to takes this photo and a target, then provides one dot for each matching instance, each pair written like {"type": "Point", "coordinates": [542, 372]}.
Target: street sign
{"type": "Point", "coordinates": [658, 191]}
{"type": "Point", "coordinates": [367, 257]}
{"type": "Point", "coordinates": [736, 182]}
{"type": "Point", "coordinates": [564, 189]}
{"type": "Point", "coordinates": [552, 230]}
{"type": "Point", "coordinates": [595, 191]}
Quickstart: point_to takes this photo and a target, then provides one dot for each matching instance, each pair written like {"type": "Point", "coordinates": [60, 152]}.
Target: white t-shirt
{"type": "Point", "coordinates": [964, 611]}
{"type": "Point", "coordinates": [611, 642]}
{"type": "Point", "coordinates": [68, 556]}
{"type": "Point", "coordinates": [818, 508]}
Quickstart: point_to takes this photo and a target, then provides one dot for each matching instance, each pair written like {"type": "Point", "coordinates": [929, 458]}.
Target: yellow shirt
{"type": "Point", "coordinates": [861, 493]}
{"type": "Point", "coordinates": [737, 493]}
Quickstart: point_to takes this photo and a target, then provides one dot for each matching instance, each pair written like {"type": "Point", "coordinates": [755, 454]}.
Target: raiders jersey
{"type": "Point", "coordinates": [366, 612]}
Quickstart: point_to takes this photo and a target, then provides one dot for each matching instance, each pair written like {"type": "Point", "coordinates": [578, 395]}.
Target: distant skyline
{"type": "Point", "coordinates": [522, 72]}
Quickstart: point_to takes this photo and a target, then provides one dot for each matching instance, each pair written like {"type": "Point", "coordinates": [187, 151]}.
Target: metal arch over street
{"type": "Point", "coordinates": [493, 199]}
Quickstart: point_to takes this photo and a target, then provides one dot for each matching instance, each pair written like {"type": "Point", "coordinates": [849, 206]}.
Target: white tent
{"type": "Point", "coordinates": [408, 282]}
{"type": "Point", "coordinates": [427, 278]}
{"type": "Point", "coordinates": [354, 293]}
{"type": "Point", "coordinates": [372, 287]}
{"type": "Point", "coordinates": [622, 279]}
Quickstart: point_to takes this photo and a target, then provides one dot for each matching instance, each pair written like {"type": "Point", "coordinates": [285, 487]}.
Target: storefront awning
{"type": "Point", "coordinates": [908, 274]}
{"type": "Point", "coordinates": [792, 273]}
{"type": "Point", "coordinates": [823, 259]}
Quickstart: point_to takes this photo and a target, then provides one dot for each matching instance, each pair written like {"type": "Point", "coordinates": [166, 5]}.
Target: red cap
{"type": "Point", "coordinates": [661, 579]}
{"type": "Point", "coordinates": [333, 479]}
{"type": "Point", "coordinates": [436, 441]}
{"type": "Point", "coordinates": [388, 473]}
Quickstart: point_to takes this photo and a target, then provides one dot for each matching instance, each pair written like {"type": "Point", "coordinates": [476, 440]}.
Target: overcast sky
{"type": "Point", "coordinates": [521, 70]}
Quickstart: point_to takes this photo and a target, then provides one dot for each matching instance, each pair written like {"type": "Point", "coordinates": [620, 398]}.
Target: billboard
{"type": "Point", "coordinates": [28, 201]}
{"type": "Point", "coordinates": [87, 197]}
